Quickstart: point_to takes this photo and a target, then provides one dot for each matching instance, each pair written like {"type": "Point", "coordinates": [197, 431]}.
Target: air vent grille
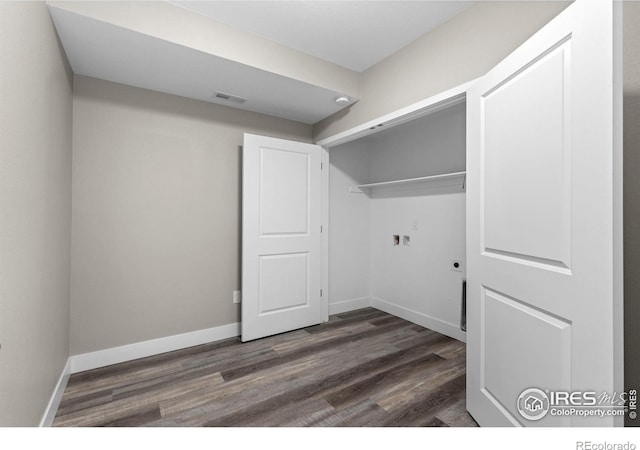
{"type": "Point", "coordinates": [229, 98]}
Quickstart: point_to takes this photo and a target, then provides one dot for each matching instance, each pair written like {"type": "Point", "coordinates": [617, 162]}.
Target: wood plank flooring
{"type": "Point", "coordinates": [362, 368]}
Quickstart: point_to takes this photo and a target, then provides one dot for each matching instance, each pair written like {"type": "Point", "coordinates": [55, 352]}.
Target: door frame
{"type": "Point", "coordinates": [430, 105]}
{"type": "Point", "coordinates": [324, 221]}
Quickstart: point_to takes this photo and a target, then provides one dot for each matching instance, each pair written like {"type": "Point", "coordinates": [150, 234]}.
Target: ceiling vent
{"type": "Point", "coordinates": [229, 98]}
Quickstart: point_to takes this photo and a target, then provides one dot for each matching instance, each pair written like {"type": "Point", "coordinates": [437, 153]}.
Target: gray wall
{"type": "Point", "coordinates": [363, 263]}
{"type": "Point", "coordinates": [632, 196]}
{"type": "Point", "coordinates": [416, 280]}
{"type": "Point", "coordinates": [349, 227]}
{"type": "Point", "coordinates": [156, 212]}
{"type": "Point", "coordinates": [462, 49]}
{"type": "Point", "coordinates": [35, 211]}
{"type": "Point", "coordinates": [430, 145]}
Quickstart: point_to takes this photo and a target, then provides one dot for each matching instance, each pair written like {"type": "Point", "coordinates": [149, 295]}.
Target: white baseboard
{"type": "Point", "coordinates": [56, 396]}
{"type": "Point", "coordinates": [101, 358]}
{"type": "Point", "coordinates": [421, 319]}
{"type": "Point", "coordinates": [349, 305]}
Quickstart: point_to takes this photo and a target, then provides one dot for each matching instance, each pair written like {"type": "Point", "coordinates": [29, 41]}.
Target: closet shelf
{"type": "Point", "coordinates": [445, 179]}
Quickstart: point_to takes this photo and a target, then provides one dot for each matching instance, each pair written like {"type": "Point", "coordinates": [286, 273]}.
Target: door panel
{"type": "Point", "coordinates": [284, 282]}
{"type": "Point", "coordinates": [541, 302]}
{"type": "Point", "coordinates": [538, 352]}
{"type": "Point", "coordinates": [526, 157]}
{"type": "Point", "coordinates": [281, 236]}
{"type": "Point", "coordinates": [284, 194]}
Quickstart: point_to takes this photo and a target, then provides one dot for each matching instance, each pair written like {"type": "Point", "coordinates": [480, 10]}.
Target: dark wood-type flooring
{"type": "Point", "coordinates": [362, 368]}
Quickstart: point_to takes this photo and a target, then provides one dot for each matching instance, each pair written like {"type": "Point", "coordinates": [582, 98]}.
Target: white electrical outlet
{"type": "Point", "coordinates": [456, 265]}
{"type": "Point", "coordinates": [236, 297]}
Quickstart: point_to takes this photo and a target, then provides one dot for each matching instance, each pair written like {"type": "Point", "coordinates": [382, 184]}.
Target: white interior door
{"type": "Point", "coordinates": [542, 174]}
{"type": "Point", "coordinates": [281, 236]}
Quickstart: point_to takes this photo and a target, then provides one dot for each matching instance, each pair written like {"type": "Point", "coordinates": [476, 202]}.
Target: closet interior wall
{"type": "Point", "coordinates": [414, 281]}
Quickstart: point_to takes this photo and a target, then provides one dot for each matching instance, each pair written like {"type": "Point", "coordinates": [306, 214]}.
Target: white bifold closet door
{"type": "Point", "coordinates": [542, 193]}
{"type": "Point", "coordinates": [281, 236]}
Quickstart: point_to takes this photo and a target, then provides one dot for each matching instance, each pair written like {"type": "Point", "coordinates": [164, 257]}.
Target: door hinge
{"type": "Point", "coordinates": [321, 166]}
{"type": "Point", "coordinates": [320, 228]}
{"type": "Point", "coordinates": [320, 292]}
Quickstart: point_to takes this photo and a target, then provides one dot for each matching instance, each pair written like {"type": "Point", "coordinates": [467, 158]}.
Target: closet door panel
{"type": "Point", "coordinates": [543, 307]}
{"type": "Point", "coordinates": [281, 236]}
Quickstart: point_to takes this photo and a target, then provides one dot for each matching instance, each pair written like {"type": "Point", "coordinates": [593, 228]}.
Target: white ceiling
{"type": "Point", "coordinates": [353, 34]}
{"type": "Point", "coordinates": [101, 50]}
